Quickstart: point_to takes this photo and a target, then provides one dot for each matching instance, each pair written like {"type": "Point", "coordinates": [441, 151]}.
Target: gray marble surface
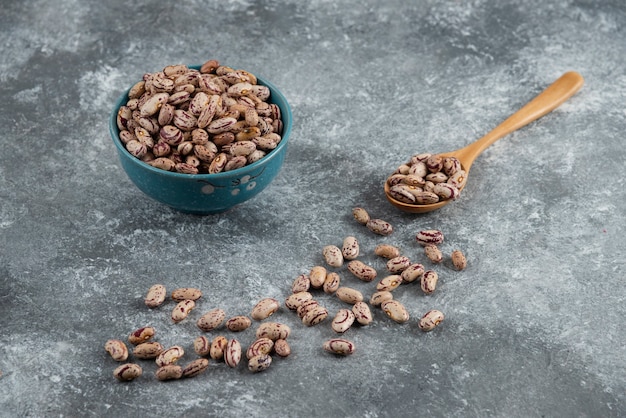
{"type": "Point", "coordinates": [534, 326]}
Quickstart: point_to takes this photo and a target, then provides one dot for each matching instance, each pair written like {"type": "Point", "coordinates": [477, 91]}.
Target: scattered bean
{"type": "Point", "coordinates": [389, 283]}
{"type": "Point", "coordinates": [361, 215]}
{"type": "Point", "coordinates": [141, 335]}
{"type": "Point", "coordinates": [264, 309]}
{"type": "Point", "coordinates": [148, 350]}
{"type": "Point", "coordinates": [294, 300]}
{"type": "Point", "coordinates": [315, 315]}
{"type": "Point", "coordinates": [127, 372]}
{"type": "Point", "coordinates": [395, 310]}
{"type": "Point", "coordinates": [238, 323]}
{"type": "Point", "coordinates": [428, 281]}
{"type": "Point", "coordinates": [202, 346]}
{"type": "Point", "coordinates": [429, 236]}
{"type": "Point", "coordinates": [170, 355]}
{"type": "Point", "coordinates": [211, 320]}
{"type": "Point", "coordinates": [398, 264]}
{"type": "Point", "coordinates": [349, 295]}
{"type": "Point", "coordinates": [430, 320]}
{"type": "Point", "coordinates": [169, 372]}
{"type": "Point", "coordinates": [259, 363]}
{"type": "Point", "coordinates": [380, 227]}
{"type": "Point", "coordinates": [195, 367]}
{"type": "Point", "coordinates": [186, 293]}
{"type": "Point", "coordinates": [302, 283]}
{"type": "Point", "coordinates": [343, 320]}
{"type": "Point", "coordinates": [379, 297]}
{"type": "Point", "coordinates": [259, 346]}
{"type": "Point", "coordinates": [332, 255]}
{"type": "Point", "coordinates": [317, 276]}
{"type": "Point", "coordinates": [433, 253]}
{"type": "Point", "coordinates": [362, 270]}
{"type": "Point", "coordinates": [273, 330]}
{"type": "Point", "coordinates": [362, 313]}
{"type": "Point", "coordinates": [232, 354]}
{"type": "Point", "coordinates": [218, 346]}
{"type": "Point", "coordinates": [282, 348]}
{"type": "Point", "coordinates": [386, 251]}
{"type": "Point", "coordinates": [332, 282]}
{"type": "Point", "coordinates": [182, 309]}
{"type": "Point", "coordinates": [412, 273]}
{"type": "Point", "coordinates": [116, 349]}
{"type": "Point", "coordinates": [458, 260]}
{"type": "Point", "coordinates": [155, 296]}
{"type": "Point", "coordinates": [339, 346]}
{"type": "Point", "coordinates": [350, 249]}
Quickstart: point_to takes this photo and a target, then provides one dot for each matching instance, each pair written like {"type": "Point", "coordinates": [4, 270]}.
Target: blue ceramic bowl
{"type": "Point", "coordinates": [205, 194]}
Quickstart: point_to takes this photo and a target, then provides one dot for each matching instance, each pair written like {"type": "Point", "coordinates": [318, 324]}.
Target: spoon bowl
{"type": "Point", "coordinates": [552, 97]}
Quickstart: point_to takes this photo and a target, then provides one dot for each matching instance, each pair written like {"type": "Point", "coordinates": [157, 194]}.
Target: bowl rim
{"type": "Point", "coordinates": [286, 116]}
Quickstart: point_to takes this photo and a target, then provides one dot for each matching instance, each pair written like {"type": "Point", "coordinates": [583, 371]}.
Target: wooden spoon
{"type": "Point", "coordinates": [548, 100]}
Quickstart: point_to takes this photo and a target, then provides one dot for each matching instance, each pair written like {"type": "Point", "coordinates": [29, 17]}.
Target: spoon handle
{"type": "Point", "coordinates": [548, 100]}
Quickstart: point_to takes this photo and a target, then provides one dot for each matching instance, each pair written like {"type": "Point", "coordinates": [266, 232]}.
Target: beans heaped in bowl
{"type": "Point", "coordinates": [201, 138]}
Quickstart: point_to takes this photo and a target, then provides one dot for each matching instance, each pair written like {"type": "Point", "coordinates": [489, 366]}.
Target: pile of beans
{"type": "Point", "coordinates": [199, 121]}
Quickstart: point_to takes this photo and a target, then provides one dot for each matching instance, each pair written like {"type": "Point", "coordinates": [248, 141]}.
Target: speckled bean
{"type": "Point", "coordinates": [211, 320]}
{"type": "Point", "coordinates": [429, 236]}
{"type": "Point", "coordinates": [186, 293]}
{"type": "Point", "coordinates": [317, 276]}
{"type": "Point", "coordinates": [294, 300]}
{"type": "Point", "coordinates": [302, 283]}
{"type": "Point", "coordinates": [182, 309]}
{"type": "Point", "coordinates": [349, 295]}
{"type": "Point", "coordinates": [232, 353]}
{"type": "Point", "coordinates": [282, 348]}
{"type": "Point", "coordinates": [395, 310]}
{"type": "Point", "coordinates": [379, 297]}
{"type": "Point", "coordinates": [141, 335]}
{"type": "Point", "coordinates": [315, 315]}
{"type": "Point", "coordinates": [412, 272]}
{"type": "Point", "coordinates": [170, 355]}
{"type": "Point", "coordinates": [155, 296]}
{"type": "Point", "coordinates": [350, 248]}
{"type": "Point", "coordinates": [169, 372]}
{"type": "Point", "coordinates": [398, 264]}
{"type": "Point", "coordinates": [202, 346]}
{"type": "Point", "coordinates": [127, 372]}
{"type": "Point", "coordinates": [116, 349]}
{"type": "Point", "coordinates": [458, 260]}
{"type": "Point", "coordinates": [362, 270]}
{"type": "Point", "coordinates": [428, 281]}
{"type": "Point", "coordinates": [379, 226]}
{"type": "Point", "coordinates": [332, 255]}
{"type": "Point", "coordinates": [273, 330]}
{"type": "Point", "coordinates": [386, 251]}
{"type": "Point", "coordinates": [389, 283]}
{"type": "Point", "coordinates": [238, 323]}
{"type": "Point", "coordinates": [264, 308]}
{"type": "Point", "coordinates": [218, 346]}
{"type": "Point", "coordinates": [360, 215]}
{"type": "Point", "coordinates": [339, 346]}
{"type": "Point", "coordinates": [148, 350]}
{"type": "Point", "coordinates": [362, 313]}
{"type": "Point", "coordinates": [259, 363]}
{"type": "Point", "coordinates": [332, 282]}
{"type": "Point", "coordinates": [259, 346]}
{"type": "Point", "coordinates": [195, 367]}
{"type": "Point", "coordinates": [430, 320]}
{"type": "Point", "coordinates": [433, 253]}
{"type": "Point", "coordinates": [342, 321]}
